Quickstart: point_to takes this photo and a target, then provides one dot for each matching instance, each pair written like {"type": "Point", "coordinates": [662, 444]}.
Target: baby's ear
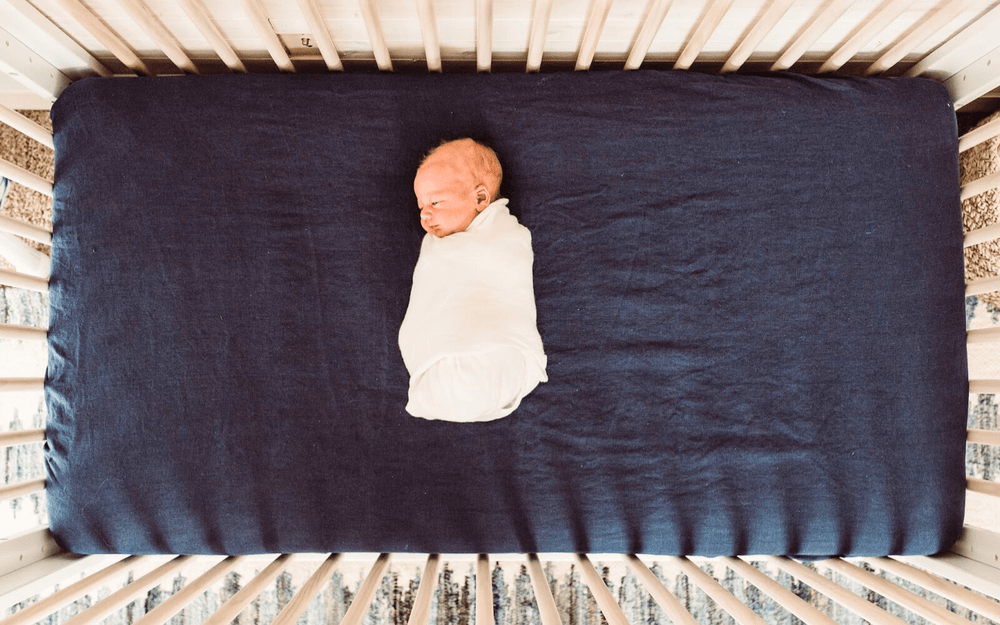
{"type": "Point", "coordinates": [483, 198]}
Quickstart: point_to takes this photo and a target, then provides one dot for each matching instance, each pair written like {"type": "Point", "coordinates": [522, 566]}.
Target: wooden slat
{"type": "Point", "coordinates": [25, 230]}
{"type": "Point", "coordinates": [918, 605]}
{"type": "Point", "coordinates": [257, 15]}
{"type": "Point", "coordinates": [318, 30]}
{"type": "Point", "coordinates": [819, 25]}
{"type": "Point", "coordinates": [764, 25]}
{"type": "Point", "coordinates": [539, 28]}
{"type": "Point", "coordinates": [781, 595]}
{"type": "Point", "coordinates": [985, 335]}
{"type": "Point", "coordinates": [984, 387]}
{"type": "Point", "coordinates": [359, 606]}
{"type": "Point", "coordinates": [429, 33]}
{"type": "Point", "coordinates": [298, 604]}
{"type": "Point", "coordinates": [41, 576]}
{"type": "Point", "coordinates": [484, 591]}
{"type": "Point", "coordinates": [979, 135]}
{"type": "Point", "coordinates": [972, 42]}
{"type": "Point", "coordinates": [708, 24]}
{"type": "Point", "coordinates": [484, 35]}
{"type": "Point", "coordinates": [232, 608]}
{"type": "Point", "coordinates": [949, 590]}
{"type": "Point", "coordinates": [35, 26]}
{"type": "Point", "coordinates": [650, 26]}
{"type": "Point", "coordinates": [21, 385]}
{"type": "Point", "coordinates": [13, 332]}
{"type": "Point", "coordinates": [873, 26]}
{"type": "Point", "coordinates": [983, 437]}
{"type": "Point", "coordinates": [670, 605]}
{"type": "Point", "coordinates": [985, 487]}
{"type": "Point", "coordinates": [931, 25]}
{"type": "Point", "coordinates": [598, 16]}
{"type": "Point", "coordinates": [376, 35]}
{"type": "Point", "coordinates": [21, 175]}
{"type": "Point", "coordinates": [980, 185]}
{"type": "Point", "coordinates": [105, 36]}
{"type": "Point", "coordinates": [866, 610]}
{"type": "Point", "coordinates": [26, 127]}
{"type": "Point", "coordinates": [976, 287]}
{"type": "Point", "coordinates": [191, 591]}
{"type": "Point", "coordinates": [201, 19]}
{"type": "Point", "coordinates": [609, 607]}
{"type": "Point", "coordinates": [975, 80]}
{"type": "Point", "coordinates": [117, 600]}
{"type": "Point", "coordinates": [428, 582]}
{"type": "Point", "coordinates": [162, 37]}
{"type": "Point", "coordinates": [722, 597]}
{"type": "Point", "coordinates": [22, 437]}
{"type": "Point", "coordinates": [982, 235]}
{"type": "Point", "coordinates": [547, 611]}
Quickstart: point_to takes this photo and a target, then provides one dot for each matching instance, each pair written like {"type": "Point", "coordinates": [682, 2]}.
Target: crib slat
{"type": "Point", "coordinates": [873, 26]}
{"type": "Point", "coordinates": [359, 606]}
{"type": "Point", "coordinates": [866, 610]}
{"type": "Point", "coordinates": [764, 25]}
{"type": "Point", "coordinates": [162, 37]}
{"type": "Point", "coordinates": [199, 16]}
{"type": "Point", "coordinates": [369, 11]}
{"type": "Point", "coordinates": [980, 185]}
{"type": "Point", "coordinates": [22, 333]}
{"type": "Point", "coordinates": [25, 230]}
{"type": "Point", "coordinates": [598, 16]}
{"type": "Point", "coordinates": [986, 335]}
{"type": "Point", "coordinates": [810, 35]}
{"type": "Point", "coordinates": [177, 602]}
{"type": "Point", "coordinates": [429, 33]}
{"type": "Point", "coordinates": [34, 24]}
{"type": "Point", "coordinates": [651, 25]}
{"type": "Point", "coordinates": [298, 604]}
{"type": "Point", "coordinates": [232, 608]}
{"type": "Point", "coordinates": [539, 29]}
{"type": "Point", "coordinates": [664, 598]}
{"type": "Point", "coordinates": [428, 582]}
{"type": "Point", "coordinates": [949, 590]}
{"type": "Point", "coordinates": [21, 437]}
{"type": "Point", "coordinates": [725, 599]}
{"type": "Point", "coordinates": [713, 17]}
{"type": "Point", "coordinates": [931, 25]}
{"type": "Point", "coordinates": [255, 12]}
{"type": "Point", "coordinates": [115, 601]}
{"type": "Point", "coordinates": [318, 30]}
{"type": "Point", "coordinates": [21, 385]}
{"type": "Point", "coordinates": [985, 387]}
{"type": "Point", "coordinates": [484, 591]}
{"type": "Point", "coordinates": [983, 437]}
{"type": "Point", "coordinates": [20, 489]}
{"type": "Point", "coordinates": [23, 281]}
{"type": "Point", "coordinates": [976, 287]}
{"type": "Point", "coordinates": [979, 135]}
{"type": "Point", "coordinates": [609, 607]}
{"type": "Point", "coordinates": [92, 24]}
{"type": "Point", "coordinates": [547, 611]}
{"type": "Point", "coordinates": [985, 487]}
{"type": "Point", "coordinates": [918, 605]}
{"type": "Point", "coordinates": [26, 127]}
{"type": "Point", "coordinates": [945, 56]}
{"type": "Point", "coordinates": [784, 597]}
{"type": "Point", "coordinates": [21, 175]}
{"type": "Point", "coordinates": [982, 235]}
{"type": "Point", "coordinates": [484, 35]}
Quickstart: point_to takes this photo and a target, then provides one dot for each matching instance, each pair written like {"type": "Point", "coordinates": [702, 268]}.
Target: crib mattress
{"type": "Point", "coordinates": [749, 289]}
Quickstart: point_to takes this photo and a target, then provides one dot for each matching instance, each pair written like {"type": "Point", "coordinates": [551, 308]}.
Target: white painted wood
{"type": "Point", "coordinates": [318, 30]}
{"type": "Point", "coordinates": [975, 80]}
{"type": "Point", "coordinates": [113, 602]}
{"type": "Point", "coordinates": [298, 604]}
{"type": "Point", "coordinates": [650, 26]}
{"type": "Point", "coordinates": [40, 576]}
{"type": "Point", "coordinates": [21, 281]}
{"type": "Point", "coordinates": [156, 31]}
{"type": "Point", "coordinates": [937, 585]}
{"type": "Point", "coordinates": [232, 608]}
{"type": "Point", "coordinates": [706, 27]}
{"type": "Point", "coordinates": [26, 259]}
{"type": "Point", "coordinates": [27, 127]}
{"type": "Point", "coordinates": [484, 35]}
{"type": "Point", "coordinates": [959, 569]}
{"type": "Point", "coordinates": [595, 25]}
{"type": "Point", "coordinates": [428, 582]}
{"type": "Point", "coordinates": [985, 487]}
{"type": "Point", "coordinates": [982, 235]}
{"type": "Point", "coordinates": [673, 608]}
{"type": "Point", "coordinates": [484, 591]}
{"type": "Point", "coordinates": [599, 590]}
{"type": "Point", "coordinates": [539, 30]}
{"type": "Point", "coordinates": [868, 611]}
{"type": "Point", "coordinates": [429, 34]}
{"type": "Point", "coordinates": [376, 34]}
{"type": "Point", "coordinates": [764, 25]}
{"type": "Point", "coordinates": [359, 606]}
{"type": "Point", "coordinates": [49, 41]}
{"type": "Point", "coordinates": [26, 230]}
{"type": "Point", "coordinates": [975, 40]}
{"type": "Point", "coordinates": [920, 34]}
{"type": "Point", "coordinates": [19, 437]}
{"type": "Point", "coordinates": [105, 35]}
{"type": "Point", "coordinates": [785, 598]}
{"type": "Point", "coordinates": [255, 12]}
{"type": "Point", "coordinates": [872, 27]}
{"type": "Point", "coordinates": [822, 22]}
{"type": "Point", "coordinates": [201, 19]}
{"type": "Point", "coordinates": [547, 611]}
{"type": "Point", "coordinates": [20, 385]}
{"type": "Point", "coordinates": [722, 597]}
{"type": "Point", "coordinates": [22, 64]}
{"type": "Point", "coordinates": [985, 335]}
{"type": "Point", "coordinates": [21, 550]}
{"type": "Point", "coordinates": [976, 287]}
{"type": "Point", "coordinates": [25, 177]}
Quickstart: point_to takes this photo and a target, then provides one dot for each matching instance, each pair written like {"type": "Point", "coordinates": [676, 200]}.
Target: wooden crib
{"type": "Point", "coordinates": [48, 44]}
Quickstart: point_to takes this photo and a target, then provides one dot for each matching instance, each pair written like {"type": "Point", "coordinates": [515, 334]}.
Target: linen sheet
{"type": "Point", "coordinates": [749, 290]}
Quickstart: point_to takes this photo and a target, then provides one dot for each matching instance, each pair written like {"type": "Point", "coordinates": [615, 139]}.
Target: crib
{"type": "Point", "coordinates": [50, 44]}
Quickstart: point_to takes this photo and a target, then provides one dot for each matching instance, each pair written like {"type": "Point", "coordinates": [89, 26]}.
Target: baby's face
{"type": "Point", "coordinates": [448, 198]}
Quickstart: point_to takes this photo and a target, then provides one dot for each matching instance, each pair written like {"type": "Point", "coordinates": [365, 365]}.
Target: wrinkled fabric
{"type": "Point", "coordinates": [749, 290]}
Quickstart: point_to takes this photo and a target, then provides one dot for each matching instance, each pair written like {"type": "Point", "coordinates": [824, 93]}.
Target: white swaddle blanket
{"type": "Point", "coordinates": [469, 338]}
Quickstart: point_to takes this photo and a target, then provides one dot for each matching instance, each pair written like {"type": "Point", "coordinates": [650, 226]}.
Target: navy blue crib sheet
{"type": "Point", "coordinates": [749, 289]}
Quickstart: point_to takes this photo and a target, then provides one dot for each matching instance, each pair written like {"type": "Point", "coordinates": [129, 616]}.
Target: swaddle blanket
{"type": "Point", "coordinates": [469, 339]}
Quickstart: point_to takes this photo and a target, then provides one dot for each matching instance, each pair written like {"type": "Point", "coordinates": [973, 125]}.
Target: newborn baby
{"type": "Point", "coordinates": [469, 338]}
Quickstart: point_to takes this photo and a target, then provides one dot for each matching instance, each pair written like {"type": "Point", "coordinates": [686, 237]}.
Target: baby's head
{"type": "Point", "coordinates": [455, 182]}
